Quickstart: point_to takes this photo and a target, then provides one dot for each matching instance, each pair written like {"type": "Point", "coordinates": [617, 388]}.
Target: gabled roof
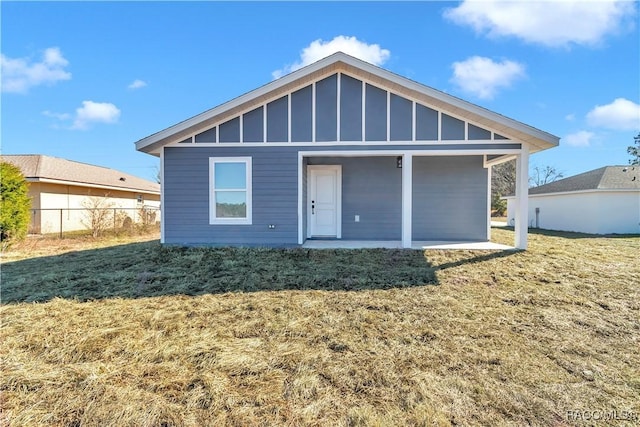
{"type": "Point", "coordinates": [538, 139]}
{"type": "Point", "coordinates": [605, 178]}
{"type": "Point", "coordinates": [36, 167]}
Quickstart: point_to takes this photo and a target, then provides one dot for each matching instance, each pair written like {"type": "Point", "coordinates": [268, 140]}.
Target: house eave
{"type": "Point", "coordinates": [90, 185]}
{"type": "Point", "coordinates": [591, 190]}
{"type": "Point", "coordinates": [536, 139]}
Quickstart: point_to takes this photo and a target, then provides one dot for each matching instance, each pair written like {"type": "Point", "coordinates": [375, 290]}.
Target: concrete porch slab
{"type": "Point", "coordinates": [461, 245]}
{"type": "Point", "coordinates": [397, 244]}
{"type": "Point", "coordinates": [352, 244]}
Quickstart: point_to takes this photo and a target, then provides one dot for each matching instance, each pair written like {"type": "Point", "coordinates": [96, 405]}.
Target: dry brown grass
{"type": "Point", "coordinates": [504, 339]}
{"type": "Point", "coordinates": [46, 245]}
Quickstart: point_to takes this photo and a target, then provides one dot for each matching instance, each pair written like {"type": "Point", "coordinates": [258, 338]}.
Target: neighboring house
{"type": "Point", "coordinates": [601, 201]}
{"type": "Point", "coordinates": [340, 149]}
{"type": "Point", "coordinates": [61, 190]}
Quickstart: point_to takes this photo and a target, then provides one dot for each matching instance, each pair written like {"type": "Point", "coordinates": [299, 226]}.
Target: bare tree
{"type": "Point", "coordinates": [147, 216]}
{"type": "Point", "coordinates": [503, 183]}
{"type": "Point", "coordinates": [634, 151]}
{"type": "Point", "coordinates": [503, 178]}
{"type": "Point", "coordinates": [541, 176]}
{"type": "Point", "coordinates": [158, 176]}
{"type": "Point", "coordinates": [98, 215]}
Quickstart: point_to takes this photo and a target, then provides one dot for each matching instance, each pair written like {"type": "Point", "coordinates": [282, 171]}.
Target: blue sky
{"type": "Point", "coordinates": [85, 80]}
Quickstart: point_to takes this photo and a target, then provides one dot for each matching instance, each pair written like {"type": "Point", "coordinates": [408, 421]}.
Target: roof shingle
{"type": "Point", "coordinates": [37, 166]}
{"type": "Point", "coordinates": [604, 178]}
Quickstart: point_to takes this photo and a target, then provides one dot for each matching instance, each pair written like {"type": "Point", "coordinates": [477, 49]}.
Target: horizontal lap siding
{"type": "Point", "coordinates": [371, 188]}
{"type": "Point", "coordinates": [449, 198]}
{"type": "Point", "coordinates": [449, 195]}
{"type": "Point", "coordinates": [275, 197]}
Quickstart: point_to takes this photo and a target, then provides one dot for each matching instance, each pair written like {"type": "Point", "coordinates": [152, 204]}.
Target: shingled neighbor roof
{"type": "Point", "coordinates": [36, 167]}
{"type": "Point", "coordinates": [605, 178]}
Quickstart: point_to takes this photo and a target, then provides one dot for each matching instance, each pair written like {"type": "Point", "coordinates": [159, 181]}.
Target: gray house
{"type": "Point", "coordinates": [340, 149]}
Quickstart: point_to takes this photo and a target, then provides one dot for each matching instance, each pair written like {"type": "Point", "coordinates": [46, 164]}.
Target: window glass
{"type": "Point", "coordinates": [230, 176]}
{"type": "Point", "coordinates": [231, 204]}
{"type": "Point", "coordinates": [230, 191]}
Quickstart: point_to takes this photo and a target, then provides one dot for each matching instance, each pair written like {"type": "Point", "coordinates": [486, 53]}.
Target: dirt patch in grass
{"type": "Point", "coordinates": [526, 338]}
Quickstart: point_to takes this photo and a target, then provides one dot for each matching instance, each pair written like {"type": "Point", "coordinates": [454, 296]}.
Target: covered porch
{"type": "Point", "coordinates": [435, 199]}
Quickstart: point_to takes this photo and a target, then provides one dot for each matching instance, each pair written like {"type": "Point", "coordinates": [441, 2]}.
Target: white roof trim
{"type": "Point", "coordinates": [592, 190]}
{"type": "Point", "coordinates": [460, 107]}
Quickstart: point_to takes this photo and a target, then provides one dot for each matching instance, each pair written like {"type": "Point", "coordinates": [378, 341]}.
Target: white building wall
{"type": "Point", "coordinates": [65, 206]}
{"type": "Point", "coordinates": [594, 212]}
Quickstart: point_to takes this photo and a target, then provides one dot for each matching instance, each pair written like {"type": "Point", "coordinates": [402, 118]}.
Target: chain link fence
{"type": "Point", "coordinates": [94, 221]}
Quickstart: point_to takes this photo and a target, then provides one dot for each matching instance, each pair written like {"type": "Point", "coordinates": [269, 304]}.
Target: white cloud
{"type": "Point", "coordinates": [570, 117]}
{"type": "Point", "coordinates": [579, 139]}
{"type": "Point", "coordinates": [549, 23]}
{"type": "Point", "coordinates": [21, 74]}
{"type": "Point", "coordinates": [95, 112]}
{"type": "Point", "coordinates": [59, 116]}
{"type": "Point", "coordinates": [137, 84]}
{"type": "Point", "coordinates": [319, 49]}
{"type": "Point", "coordinates": [621, 114]}
{"type": "Point", "coordinates": [483, 77]}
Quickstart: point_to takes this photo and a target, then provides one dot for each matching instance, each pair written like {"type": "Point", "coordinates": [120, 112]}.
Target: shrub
{"type": "Point", "coordinates": [14, 204]}
{"type": "Point", "coordinates": [98, 215]}
{"type": "Point", "coordinates": [498, 205]}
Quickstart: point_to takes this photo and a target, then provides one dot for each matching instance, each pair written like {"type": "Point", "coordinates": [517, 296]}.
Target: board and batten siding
{"type": "Point", "coordinates": [347, 109]}
{"type": "Point", "coordinates": [449, 198]}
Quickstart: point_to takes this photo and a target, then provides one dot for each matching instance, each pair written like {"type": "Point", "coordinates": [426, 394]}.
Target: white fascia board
{"type": "Point", "coordinates": [593, 190]}
{"type": "Point", "coordinates": [570, 193]}
{"type": "Point", "coordinates": [88, 185]}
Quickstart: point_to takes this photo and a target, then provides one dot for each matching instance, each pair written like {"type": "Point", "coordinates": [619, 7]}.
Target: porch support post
{"type": "Point", "coordinates": [407, 190]}
{"type": "Point", "coordinates": [522, 198]}
{"type": "Point", "coordinates": [301, 171]}
{"type": "Point", "coordinates": [489, 170]}
{"type": "Point", "coordinates": [162, 199]}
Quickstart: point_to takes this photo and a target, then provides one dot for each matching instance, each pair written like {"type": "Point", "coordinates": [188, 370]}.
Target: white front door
{"type": "Point", "coordinates": [324, 201]}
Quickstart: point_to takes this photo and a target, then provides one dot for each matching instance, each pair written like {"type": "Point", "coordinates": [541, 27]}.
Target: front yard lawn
{"type": "Point", "coordinates": [138, 334]}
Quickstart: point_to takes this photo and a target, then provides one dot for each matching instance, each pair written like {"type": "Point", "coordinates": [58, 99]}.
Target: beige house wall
{"type": "Point", "coordinates": [60, 205]}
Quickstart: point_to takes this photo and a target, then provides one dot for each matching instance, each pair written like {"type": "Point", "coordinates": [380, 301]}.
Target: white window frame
{"type": "Point", "coordinates": [213, 220]}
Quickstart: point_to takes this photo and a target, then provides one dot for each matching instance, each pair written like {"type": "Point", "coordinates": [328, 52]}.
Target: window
{"type": "Point", "coordinates": [230, 195]}
{"type": "Point", "coordinates": [140, 199]}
